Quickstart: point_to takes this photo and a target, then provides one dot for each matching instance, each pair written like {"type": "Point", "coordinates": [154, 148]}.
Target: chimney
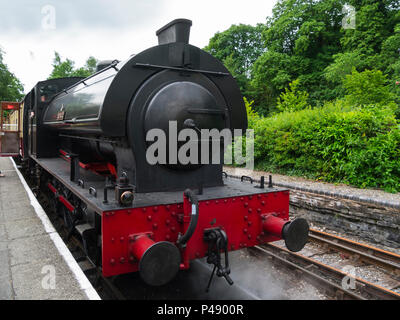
{"type": "Point", "coordinates": [175, 31]}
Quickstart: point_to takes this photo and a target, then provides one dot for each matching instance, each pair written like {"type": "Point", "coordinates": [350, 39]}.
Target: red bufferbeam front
{"type": "Point", "coordinates": [243, 219]}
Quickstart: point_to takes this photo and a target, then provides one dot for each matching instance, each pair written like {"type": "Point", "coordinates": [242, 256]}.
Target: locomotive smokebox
{"type": "Point", "coordinates": [158, 261]}
{"type": "Point", "coordinates": [175, 31]}
{"type": "Point", "coordinates": [295, 233]}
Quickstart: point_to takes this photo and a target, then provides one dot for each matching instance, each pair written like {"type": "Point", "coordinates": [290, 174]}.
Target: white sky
{"type": "Point", "coordinates": [108, 29]}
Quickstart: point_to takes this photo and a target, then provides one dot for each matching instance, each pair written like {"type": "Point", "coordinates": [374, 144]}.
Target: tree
{"type": "Point", "coordinates": [306, 40]}
{"type": "Point", "coordinates": [270, 76]}
{"type": "Point", "coordinates": [238, 48]}
{"type": "Point", "coordinates": [11, 88]}
{"type": "Point", "coordinates": [343, 65]}
{"type": "Point", "coordinates": [88, 69]}
{"type": "Point", "coordinates": [368, 87]}
{"type": "Point", "coordinates": [375, 22]}
{"type": "Point", "coordinates": [301, 37]}
{"type": "Point", "coordinates": [65, 69]}
{"type": "Point", "coordinates": [61, 69]}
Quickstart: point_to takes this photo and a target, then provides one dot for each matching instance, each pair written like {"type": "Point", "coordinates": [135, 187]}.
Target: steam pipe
{"type": "Point", "coordinates": [182, 240]}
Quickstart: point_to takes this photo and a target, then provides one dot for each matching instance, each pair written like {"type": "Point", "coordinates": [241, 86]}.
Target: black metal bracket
{"type": "Point", "coordinates": [74, 167]}
{"type": "Point", "coordinates": [81, 183]}
{"type": "Point", "coordinates": [108, 186]}
{"type": "Point", "coordinates": [246, 178]}
{"type": "Point", "coordinates": [262, 183]}
{"type": "Point", "coordinates": [154, 66]}
{"type": "Point", "coordinates": [217, 241]}
{"type": "Point", "coordinates": [93, 192]}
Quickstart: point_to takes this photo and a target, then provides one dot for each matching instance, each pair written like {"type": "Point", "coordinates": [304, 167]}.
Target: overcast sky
{"type": "Point", "coordinates": [31, 30]}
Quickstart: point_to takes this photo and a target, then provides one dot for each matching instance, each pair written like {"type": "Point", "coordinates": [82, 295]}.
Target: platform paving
{"type": "Point", "coordinates": [34, 262]}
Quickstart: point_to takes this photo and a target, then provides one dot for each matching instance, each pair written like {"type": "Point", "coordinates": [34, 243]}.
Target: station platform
{"type": "Point", "coordinates": [35, 264]}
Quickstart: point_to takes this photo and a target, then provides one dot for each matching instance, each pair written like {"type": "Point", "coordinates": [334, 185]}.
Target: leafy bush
{"type": "Point", "coordinates": [336, 143]}
{"type": "Point", "coordinates": [293, 99]}
{"type": "Point", "coordinates": [252, 115]}
{"type": "Point", "coordinates": [368, 87]}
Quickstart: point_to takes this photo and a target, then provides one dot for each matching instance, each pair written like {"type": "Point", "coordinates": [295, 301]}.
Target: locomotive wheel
{"type": "Point", "coordinates": [36, 192]}
{"type": "Point", "coordinates": [54, 205]}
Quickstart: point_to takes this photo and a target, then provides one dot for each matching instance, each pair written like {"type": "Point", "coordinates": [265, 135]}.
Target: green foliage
{"type": "Point", "coordinates": [368, 87]}
{"type": "Point", "coordinates": [293, 99]}
{"type": "Point", "coordinates": [270, 77]}
{"type": "Point", "coordinates": [301, 38]}
{"type": "Point", "coordinates": [305, 40]}
{"type": "Point", "coordinates": [61, 69]}
{"type": "Point", "coordinates": [66, 68]}
{"type": "Point", "coordinates": [252, 115]}
{"type": "Point", "coordinates": [238, 48]}
{"type": "Point", "coordinates": [11, 88]}
{"type": "Point", "coordinates": [343, 64]}
{"type": "Point", "coordinates": [325, 99]}
{"type": "Point", "coordinates": [375, 22]}
{"type": "Point", "coordinates": [88, 69]}
{"type": "Point", "coordinates": [359, 146]}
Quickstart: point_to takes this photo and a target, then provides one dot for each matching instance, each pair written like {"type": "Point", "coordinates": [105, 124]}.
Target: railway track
{"type": "Point", "coordinates": [358, 251]}
{"type": "Point", "coordinates": [306, 271]}
{"type": "Point", "coordinates": [334, 281]}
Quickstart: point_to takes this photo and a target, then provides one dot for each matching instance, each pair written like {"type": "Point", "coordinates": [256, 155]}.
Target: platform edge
{"type": "Point", "coordinates": [84, 283]}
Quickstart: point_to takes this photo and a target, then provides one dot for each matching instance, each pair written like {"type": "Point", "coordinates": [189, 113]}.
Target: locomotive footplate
{"type": "Point", "coordinates": [89, 181]}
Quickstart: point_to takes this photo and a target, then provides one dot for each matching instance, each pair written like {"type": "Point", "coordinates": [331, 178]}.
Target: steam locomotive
{"type": "Point", "coordinates": [84, 142]}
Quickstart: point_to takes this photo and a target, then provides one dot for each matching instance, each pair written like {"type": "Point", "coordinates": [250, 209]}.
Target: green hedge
{"type": "Point", "coordinates": [335, 143]}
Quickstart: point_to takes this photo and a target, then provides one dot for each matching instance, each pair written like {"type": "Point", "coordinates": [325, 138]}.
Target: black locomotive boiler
{"type": "Point", "coordinates": [85, 143]}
